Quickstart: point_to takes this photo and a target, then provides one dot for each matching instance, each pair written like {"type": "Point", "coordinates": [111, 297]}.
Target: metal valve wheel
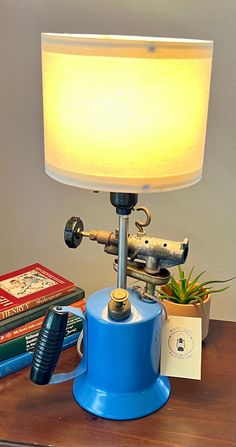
{"type": "Point", "coordinates": [72, 232]}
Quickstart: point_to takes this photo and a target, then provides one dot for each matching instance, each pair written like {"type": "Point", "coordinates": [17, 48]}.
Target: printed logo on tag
{"type": "Point", "coordinates": [181, 347]}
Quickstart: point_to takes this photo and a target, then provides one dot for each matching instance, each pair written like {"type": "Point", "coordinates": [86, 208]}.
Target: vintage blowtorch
{"type": "Point", "coordinates": [119, 375]}
{"type": "Point", "coordinates": [124, 114]}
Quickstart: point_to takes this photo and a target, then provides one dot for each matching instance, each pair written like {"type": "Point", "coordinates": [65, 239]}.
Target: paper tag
{"type": "Point", "coordinates": [181, 347]}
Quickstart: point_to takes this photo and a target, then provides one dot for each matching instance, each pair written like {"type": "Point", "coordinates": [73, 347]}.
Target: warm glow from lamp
{"type": "Point", "coordinates": [125, 114]}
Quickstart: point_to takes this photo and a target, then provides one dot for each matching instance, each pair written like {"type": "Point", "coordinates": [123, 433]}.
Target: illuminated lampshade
{"type": "Point", "coordinates": [125, 114]}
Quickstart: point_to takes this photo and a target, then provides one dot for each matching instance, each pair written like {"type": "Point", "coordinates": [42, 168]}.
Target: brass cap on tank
{"type": "Point", "coordinates": [119, 306]}
{"type": "Point", "coordinates": [119, 295]}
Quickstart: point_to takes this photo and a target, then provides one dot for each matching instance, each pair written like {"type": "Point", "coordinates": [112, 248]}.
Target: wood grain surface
{"type": "Point", "coordinates": [198, 413]}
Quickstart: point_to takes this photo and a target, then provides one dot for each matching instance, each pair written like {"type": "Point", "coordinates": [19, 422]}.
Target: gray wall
{"type": "Point", "coordinates": [34, 208]}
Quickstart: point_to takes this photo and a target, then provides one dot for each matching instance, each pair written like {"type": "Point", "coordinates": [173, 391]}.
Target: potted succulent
{"type": "Point", "coordinates": [188, 297]}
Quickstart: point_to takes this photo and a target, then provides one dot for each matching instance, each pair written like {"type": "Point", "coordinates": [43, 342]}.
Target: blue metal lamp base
{"type": "Point", "coordinates": [122, 379]}
{"type": "Point", "coordinates": [121, 406]}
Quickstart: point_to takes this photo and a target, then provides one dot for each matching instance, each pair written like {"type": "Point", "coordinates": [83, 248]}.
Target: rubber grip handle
{"type": "Point", "coordinates": [48, 346]}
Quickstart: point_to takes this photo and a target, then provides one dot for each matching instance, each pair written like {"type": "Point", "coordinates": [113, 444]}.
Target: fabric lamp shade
{"type": "Point", "coordinates": [125, 114]}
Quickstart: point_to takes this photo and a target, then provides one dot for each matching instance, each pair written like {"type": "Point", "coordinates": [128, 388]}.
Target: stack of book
{"type": "Point", "coordinates": [25, 296]}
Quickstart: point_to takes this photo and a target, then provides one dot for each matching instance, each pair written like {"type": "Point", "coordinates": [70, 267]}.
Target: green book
{"type": "Point", "coordinates": [27, 342]}
{"type": "Point", "coordinates": [32, 314]}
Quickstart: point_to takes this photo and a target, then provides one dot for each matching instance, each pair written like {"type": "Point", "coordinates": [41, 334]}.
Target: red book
{"type": "Point", "coordinates": [30, 287]}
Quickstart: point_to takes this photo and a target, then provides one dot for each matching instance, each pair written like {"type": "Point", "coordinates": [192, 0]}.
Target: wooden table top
{"type": "Point", "coordinates": [198, 413]}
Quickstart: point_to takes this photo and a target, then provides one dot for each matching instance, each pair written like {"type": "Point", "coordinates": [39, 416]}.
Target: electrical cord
{"type": "Point", "coordinates": [79, 342]}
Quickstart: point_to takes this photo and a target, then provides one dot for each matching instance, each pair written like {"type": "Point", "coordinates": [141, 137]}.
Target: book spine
{"type": "Point", "coordinates": [21, 330]}
{"type": "Point", "coordinates": [37, 312]}
{"type": "Point", "coordinates": [33, 325]}
{"type": "Point", "coordinates": [4, 314]}
{"type": "Point", "coordinates": [27, 342]}
{"type": "Point", "coordinates": [19, 362]}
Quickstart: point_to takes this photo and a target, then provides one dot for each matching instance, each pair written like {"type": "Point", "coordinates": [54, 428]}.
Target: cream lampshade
{"type": "Point", "coordinates": [125, 114]}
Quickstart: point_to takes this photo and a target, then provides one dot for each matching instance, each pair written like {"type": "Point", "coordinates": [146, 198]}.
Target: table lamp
{"type": "Point", "coordinates": [127, 115]}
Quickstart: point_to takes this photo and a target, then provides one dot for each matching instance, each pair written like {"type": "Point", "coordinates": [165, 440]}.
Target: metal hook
{"type": "Point", "coordinates": [139, 224]}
